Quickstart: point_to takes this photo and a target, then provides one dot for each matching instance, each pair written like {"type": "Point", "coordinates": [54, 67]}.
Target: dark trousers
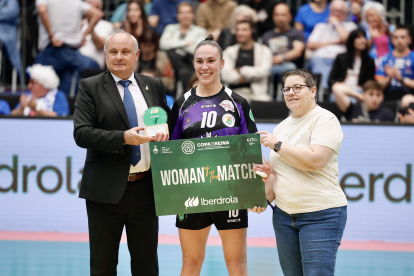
{"type": "Point", "coordinates": [182, 63]}
{"type": "Point", "coordinates": [135, 211]}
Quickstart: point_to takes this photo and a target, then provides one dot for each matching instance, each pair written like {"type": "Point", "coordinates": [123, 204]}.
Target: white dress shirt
{"type": "Point", "coordinates": [140, 105]}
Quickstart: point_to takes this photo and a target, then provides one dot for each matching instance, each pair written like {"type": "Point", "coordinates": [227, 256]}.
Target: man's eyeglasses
{"type": "Point", "coordinates": [296, 88]}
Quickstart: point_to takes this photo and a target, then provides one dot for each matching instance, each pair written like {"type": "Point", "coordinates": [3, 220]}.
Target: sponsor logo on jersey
{"type": "Point", "coordinates": [191, 202]}
{"type": "Point", "coordinates": [251, 115]}
{"type": "Point", "coordinates": [188, 147]}
{"type": "Point", "coordinates": [208, 134]}
{"type": "Point", "coordinates": [188, 120]}
{"type": "Point", "coordinates": [228, 120]}
{"type": "Point", "coordinates": [208, 105]}
{"type": "Point", "coordinates": [227, 105]}
{"type": "Point", "coordinates": [155, 150]}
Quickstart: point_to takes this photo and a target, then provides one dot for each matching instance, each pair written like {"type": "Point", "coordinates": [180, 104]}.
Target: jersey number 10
{"type": "Point", "coordinates": [209, 119]}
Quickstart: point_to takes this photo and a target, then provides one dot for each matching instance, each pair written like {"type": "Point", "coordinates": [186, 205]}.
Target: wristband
{"type": "Point", "coordinates": [37, 108]}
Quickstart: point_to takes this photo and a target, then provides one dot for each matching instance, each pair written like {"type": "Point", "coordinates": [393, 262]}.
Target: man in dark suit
{"type": "Point", "coordinates": [116, 181]}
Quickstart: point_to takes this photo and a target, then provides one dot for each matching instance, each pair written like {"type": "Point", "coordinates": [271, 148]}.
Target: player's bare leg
{"type": "Point", "coordinates": [235, 251]}
{"type": "Point", "coordinates": [193, 244]}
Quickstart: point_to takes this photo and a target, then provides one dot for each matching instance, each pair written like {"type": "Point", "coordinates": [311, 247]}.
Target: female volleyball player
{"type": "Point", "coordinates": [208, 110]}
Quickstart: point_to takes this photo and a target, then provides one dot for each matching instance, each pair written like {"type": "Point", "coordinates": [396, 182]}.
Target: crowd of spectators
{"type": "Point", "coordinates": [358, 57]}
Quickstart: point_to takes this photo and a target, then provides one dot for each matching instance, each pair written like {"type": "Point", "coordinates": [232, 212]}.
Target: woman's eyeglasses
{"type": "Point", "coordinates": [296, 88]}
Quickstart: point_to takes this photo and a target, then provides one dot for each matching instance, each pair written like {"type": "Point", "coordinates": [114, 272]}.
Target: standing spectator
{"type": "Point", "coordinates": [215, 15]}
{"type": "Point", "coordinates": [248, 65]}
{"type": "Point", "coordinates": [4, 108]}
{"type": "Point", "coordinates": [136, 22]}
{"type": "Point", "coordinates": [95, 41]}
{"type": "Point", "coordinates": [164, 12]}
{"type": "Point", "coordinates": [180, 40]}
{"type": "Point", "coordinates": [396, 72]}
{"type": "Point", "coordinates": [120, 12]}
{"type": "Point", "coordinates": [152, 60]}
{"type": "Point", "coordinates": [287, 43]}
{"type": "Point", "coordinates": [360, 67]}
{"type": "Point", "coordinates": [327, 40]}
{"type": "Point", "coordinates": [406, 114]}
{"type": "Point", "coordinates": [60, 37]}
{"type": "Point", "coordinates": [311, 14]}
{"type": "Point", "coordinates": [369, 108]}
{"type": "Point", "coordinates": [378, 32]}
{"type": "Point", "coordinates": [9, 20]}
{"type": "Point", "coordinates": [44, 98]}
{"type": "Point", "coordinates": [264, 10]}
{"type": "Point", "coordinates": [228, 35]}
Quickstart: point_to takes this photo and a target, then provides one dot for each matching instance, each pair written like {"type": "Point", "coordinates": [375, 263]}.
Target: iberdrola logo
{"type": "Point", "coordinates": [191, 202]}
{"type": "Point", "coordinates": [154, 111]}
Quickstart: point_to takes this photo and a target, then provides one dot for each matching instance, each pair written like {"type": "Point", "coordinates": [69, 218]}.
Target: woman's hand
{"type": "Point", "coordinates": [268, 139]}
{"type": "Point", "coordinates": [257, 209]}
{"type": "Point", "coordinates": [263, 168]}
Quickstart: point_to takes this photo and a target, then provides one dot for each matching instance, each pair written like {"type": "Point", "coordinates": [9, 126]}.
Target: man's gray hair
{"type": "Point", "coordinates": [120, 31]}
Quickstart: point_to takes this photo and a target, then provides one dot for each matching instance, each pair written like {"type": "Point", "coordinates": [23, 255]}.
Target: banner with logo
{"type": "Point", "coordinates": [207, 175]}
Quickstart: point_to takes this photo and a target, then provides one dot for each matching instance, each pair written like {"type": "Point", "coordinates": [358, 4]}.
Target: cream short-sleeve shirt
{"type": "Point", "coordinates": [299, 191]}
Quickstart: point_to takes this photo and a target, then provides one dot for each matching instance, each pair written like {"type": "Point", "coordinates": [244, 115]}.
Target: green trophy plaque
{"type": "Point", "coordinates": [155, 121]}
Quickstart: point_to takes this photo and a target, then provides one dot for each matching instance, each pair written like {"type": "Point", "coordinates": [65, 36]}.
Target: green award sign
{"type": "Point", "coordinates": [155, 120]}
{"type": "Point", "coordinates": [207, 174]}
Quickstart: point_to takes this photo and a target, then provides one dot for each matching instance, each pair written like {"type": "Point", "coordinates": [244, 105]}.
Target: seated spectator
{"type": "Point", "coordinates": [154, 60]}
{"type": "Point", "coordinates": [9, 21]}
{"type": "Point", "coordinates": [164, 12]}
{"type": "Point", "coordinates": [180, 40]}
{"type": "Point", "coordinates": [215, 15]}
{"type": "Point", "coordinates": [264, 10]}
{"type": "Point", "coordinates": [360, 67]}
{"type": "Point", "coordinates": [328, 40]}
{"type": "Point", "coordinates": [369, 109]}
{"type": "Point", "coordinates": [4, 107]}
{"type": "Point", "coordinates": [247, 65]}
{"type": "Point", "coordinates": [60, 37]}
{"type": "Point", "coordinates": [396, 72]}
{"type": "Point", "coordinates": [119, 15]}
{"type": "Point", "coordinates": [136, 22]}
{"type": "Point", "coordinates": [286, 43]}
{"type": "Point", "coordinates": [44, 98]}
{"type": "Point", "coordinates": [310, 14]}
{"type": "Point", "coordinates": [228, 35]}
{"type": "Point", "coordinates": [378, 32]}
{"type": "Point", "coordinates": [406, 114]}
{"type": "Point", "coordinates": [95, 41]}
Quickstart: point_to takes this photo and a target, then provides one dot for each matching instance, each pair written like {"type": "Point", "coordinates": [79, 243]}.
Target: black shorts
{"type": "Point", "coordinates": [223, 220]}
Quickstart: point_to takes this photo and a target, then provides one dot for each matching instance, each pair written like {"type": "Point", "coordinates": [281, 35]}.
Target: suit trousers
{"type": "Point", "coordinates": [135, 211]}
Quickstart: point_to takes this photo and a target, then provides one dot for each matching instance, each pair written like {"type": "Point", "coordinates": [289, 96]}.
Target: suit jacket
{"type": "Point", "coordinates": [100, 120]}
{"type": "Point", "coordinates": [339, 70]}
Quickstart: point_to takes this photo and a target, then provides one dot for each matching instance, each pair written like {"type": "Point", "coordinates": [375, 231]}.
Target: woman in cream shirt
{"type": "Point", "coordinates": [310, 213]}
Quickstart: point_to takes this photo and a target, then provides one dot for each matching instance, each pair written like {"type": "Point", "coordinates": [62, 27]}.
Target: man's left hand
{"type": "Point", "coordinates": [268, 139]}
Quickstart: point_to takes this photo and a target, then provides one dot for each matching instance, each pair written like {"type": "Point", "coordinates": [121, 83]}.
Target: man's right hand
{"type": "Point", "coordinates": [131, 137]}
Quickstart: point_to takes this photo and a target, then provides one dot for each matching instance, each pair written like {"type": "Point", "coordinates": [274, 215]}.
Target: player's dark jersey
{"type": "Point", "coordinates": [223, 114]}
